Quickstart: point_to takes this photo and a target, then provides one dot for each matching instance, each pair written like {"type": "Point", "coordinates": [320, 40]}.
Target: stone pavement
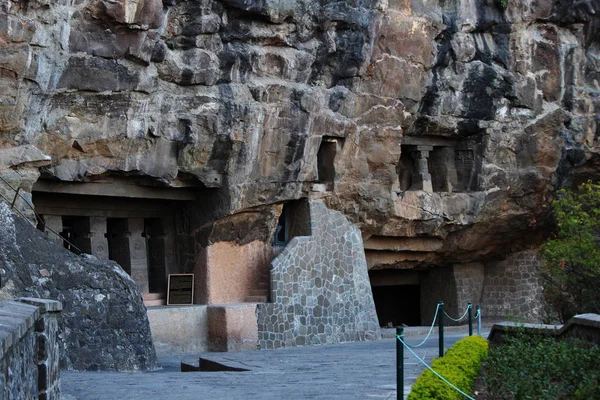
{"type": "Point", "coordinates": [345, 371]}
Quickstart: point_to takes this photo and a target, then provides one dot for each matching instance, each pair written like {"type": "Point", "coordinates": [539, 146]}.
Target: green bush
{"type": "Point", "coordinates": [571, 268]}
{"type": "Point", "coordinates": [460, 365]}
{"type": "Point", "coordinates": [544, 368]}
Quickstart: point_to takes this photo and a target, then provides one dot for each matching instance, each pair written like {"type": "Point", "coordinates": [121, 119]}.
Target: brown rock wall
{"type": "Point", "coordinates": [233, 271]}
{"type": "Point", "coordinates": [233, 98]}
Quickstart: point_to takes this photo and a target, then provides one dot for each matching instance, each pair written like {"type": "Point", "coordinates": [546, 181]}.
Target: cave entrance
{"type": "Point", "coordinates": [325, 161]}
{"type": "Point", "coordinates": [142, 229]}
{"type": "Point", "coordinates": [294, 220]}
{"type": "Point", "coordinates": [397, 296]}
{"type": "Point", "coordinates": [398, 305]}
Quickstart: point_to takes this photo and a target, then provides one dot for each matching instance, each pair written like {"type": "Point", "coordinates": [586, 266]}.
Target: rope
{"type": "Point", "coordinates": [458, 319]}
{"type": "Point", "coordinates": [430, 329]}
{"type": "Point", "coordinates": [478, 312]}
{"type": "Point", "coordinates": [431, 369]}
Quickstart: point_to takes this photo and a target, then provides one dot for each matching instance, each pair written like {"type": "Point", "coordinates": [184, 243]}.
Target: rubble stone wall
{"type": "Point", "coordinates": [319, 287]}
{"type": "Point", "coordinates": [469, 284]}
{"type": "Point", "coordinates": [29, 349]}
{"type": "Point", "coordinates": [512, 287]}
{"type": "Point", "coordinates": [18, 363]}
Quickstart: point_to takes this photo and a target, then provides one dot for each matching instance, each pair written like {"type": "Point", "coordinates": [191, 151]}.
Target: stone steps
{"type": "Point", "coordinates": [154, 299]}
{"type": "Point", "coordinates": [256, 299]}
{"type": "Point", "coordinates": [151, 303]}
{"type": "Point", "coordinates": [261, 291]}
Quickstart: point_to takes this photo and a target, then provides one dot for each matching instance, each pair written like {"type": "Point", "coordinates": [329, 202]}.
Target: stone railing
{"type": "Point", "coordinates": [29, 349]}
{"type": "Point", "coordinates": [584, 326]}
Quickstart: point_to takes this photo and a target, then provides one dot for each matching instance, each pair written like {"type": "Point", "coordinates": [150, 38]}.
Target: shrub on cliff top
{"type": "Point", "coordinates": [460, 365]}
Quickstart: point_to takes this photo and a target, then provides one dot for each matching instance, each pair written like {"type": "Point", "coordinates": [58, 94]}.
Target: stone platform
{"type": "Point", "coordinates": [355, 370]}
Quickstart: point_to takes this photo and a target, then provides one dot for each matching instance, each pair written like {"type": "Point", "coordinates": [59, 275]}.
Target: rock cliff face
{"type": "Point", "coordinates": [441, 128]}
{"type": "Point", "coordinates": [239, 96]}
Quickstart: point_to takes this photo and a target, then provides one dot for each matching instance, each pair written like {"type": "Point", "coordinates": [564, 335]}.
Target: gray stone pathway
{"type": "Point", "coordinates": [360, 370]}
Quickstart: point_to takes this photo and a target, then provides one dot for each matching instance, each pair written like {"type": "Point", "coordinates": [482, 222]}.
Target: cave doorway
{"type": "Point", "coordinates": [398, 305]}
{"type": "Point", "coordinates": [293, 221]}
{"type": "Point", "coordinates": [68, 233]}
{"type": "Point", "coordinates": [117, 235]}
{"type": "Point", "coordinates": [154, 233]}
{"type": "Point", "coordinates": [325, 162]}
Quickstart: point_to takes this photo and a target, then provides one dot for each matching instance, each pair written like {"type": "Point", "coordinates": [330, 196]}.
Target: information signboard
{"type": "Point", "coordinates": [180, 289]}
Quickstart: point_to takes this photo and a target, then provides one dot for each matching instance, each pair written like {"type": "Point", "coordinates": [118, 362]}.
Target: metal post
{"type": "Point", "coordinates": [478, 320]}
{"type": "Point", "coordinates": [399, 363]}
{"type": "Point", "coordinates": [470, 312]}
{"type": "Point", "coordinates": [15, 199]}
{"type": "Point", "coordinates": [441, 327]}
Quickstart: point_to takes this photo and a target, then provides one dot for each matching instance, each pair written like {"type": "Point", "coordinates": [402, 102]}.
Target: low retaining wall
{"type": "Point", "coordinates": [179, 329]}
{"type": "Point", "coordinates": [584, 326]}
{"type": "Point", "coordinates": [29, 349]}
{"type": "Point", "coordinates": [200, 328]}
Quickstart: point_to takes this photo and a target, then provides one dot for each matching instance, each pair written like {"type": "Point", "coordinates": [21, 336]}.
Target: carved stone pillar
{"type": "Point", "coordinates": [53, 222]}
{"type": "Point", "coordinates": [118, 232]}
{"type": "Point", "coordinates": [443, 176]}
{"type": "Point", "coordinates": [128, 248]}
{"type": "Point", "coordinates": [90, 236]}
{"type": "Point", "coordinates": [421, 179]}
{"type": "Point", "coordinates": [138, 254]}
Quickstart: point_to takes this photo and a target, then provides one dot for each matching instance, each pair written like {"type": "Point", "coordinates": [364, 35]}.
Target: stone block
{"type": "Point", "coordinates": [232, 327]}
{"type": "Point", "coordinates": [147, 13]}
{"type": "Point", "coordinates": [235, 271]}
{"type": "Point", "coordinates": [179, 329]}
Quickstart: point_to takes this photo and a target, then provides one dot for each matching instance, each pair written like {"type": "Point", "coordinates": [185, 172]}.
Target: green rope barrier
{"type": "Point", "coordinates": [431, 369]}
{"type": "Point", "coordinates": [414, 346]}
{"type": "Point", "coordinates": [458, 319]}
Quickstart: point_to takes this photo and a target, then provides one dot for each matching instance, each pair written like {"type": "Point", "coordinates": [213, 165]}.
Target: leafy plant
{"type": "Point", "coordinates": [538, 367]}
{"type": "Point", "coordinates": [502, 4]}
{"type": "Point", "coordinates": [460, 365]}
{"type": "Point", "coordinates": [571, 268]}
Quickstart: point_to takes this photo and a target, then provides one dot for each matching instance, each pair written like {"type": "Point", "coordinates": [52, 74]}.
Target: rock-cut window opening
{"type": "Point", "coordinates": [326, 161]}
{"type": "Point", "coordinates": [293, 221]}
{"type": "Point", "coordinates": [437, 168]}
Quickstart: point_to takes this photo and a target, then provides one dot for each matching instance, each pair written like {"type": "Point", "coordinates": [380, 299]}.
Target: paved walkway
{"type": "Point", "coordinates": [346, 371]}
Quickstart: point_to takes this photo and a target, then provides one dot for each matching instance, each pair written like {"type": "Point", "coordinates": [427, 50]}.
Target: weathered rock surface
{"type": "Point", "coordinates": [104, 323]}
{"type": "Point", "coordinates": [235, 98]}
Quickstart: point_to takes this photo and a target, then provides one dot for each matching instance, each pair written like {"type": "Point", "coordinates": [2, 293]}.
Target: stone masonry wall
{"type": "Point", "coordinates": [469, 284]}
{"type": "Point", "coordinates": [437, 285]}
{"type": "Point", "coordinates": [319, 287]}
{"type": "Point", "coordinates": [47, 337]}
{"type": "Point", "coordinates": [512, 287]}
{"type": "Point", "coordinates": [18, 363]}
{"type": "Point", "coordinates": [29, 349]}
